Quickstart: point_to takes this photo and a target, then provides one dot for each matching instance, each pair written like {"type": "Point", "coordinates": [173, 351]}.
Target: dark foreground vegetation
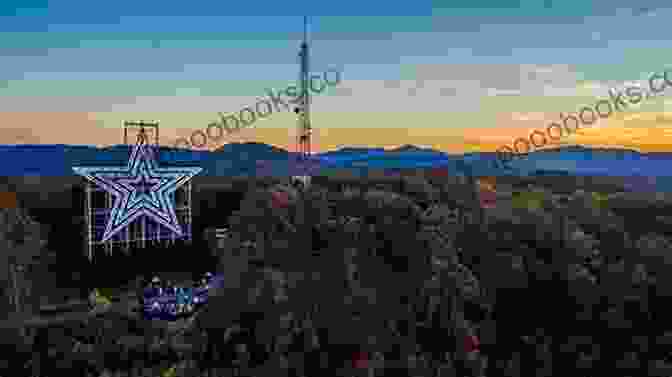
{"type": "Point", "coordinates": [410, 278]}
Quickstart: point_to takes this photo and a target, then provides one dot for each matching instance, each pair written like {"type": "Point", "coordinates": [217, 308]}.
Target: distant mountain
{"type": "Point", "coordinates": [411, 148]}
{"type": "Point", "coordinates": [246, 159]}
{"type": "Point", "coordinates": [564, 148]}
{"type": "Point", "coordinates": [251, 147]}
{"type": "Point", "coordinates": [355, 150]}
{"type": "Point", "coordinates": [350, 151]}
{"type": "Point", "coordinates": [581, 148]}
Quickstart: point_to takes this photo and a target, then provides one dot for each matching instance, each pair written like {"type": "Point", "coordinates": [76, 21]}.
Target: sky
{"type": "Point", "coordinates": [457, 76]}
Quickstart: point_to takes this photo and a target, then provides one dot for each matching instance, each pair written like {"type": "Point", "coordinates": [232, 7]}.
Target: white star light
{"type": "Point", "coordinates": [131, 202]}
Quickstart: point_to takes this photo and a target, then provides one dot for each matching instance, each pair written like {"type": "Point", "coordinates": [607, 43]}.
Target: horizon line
{"type": "Point", "coordinates": [385, 148]}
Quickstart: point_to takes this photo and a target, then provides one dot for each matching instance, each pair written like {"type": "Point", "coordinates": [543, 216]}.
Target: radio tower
{"type": "Point", "coordinates": [302, 110]}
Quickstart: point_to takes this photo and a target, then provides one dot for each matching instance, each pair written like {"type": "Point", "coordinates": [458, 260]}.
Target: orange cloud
{"type": "Point", "coordinates": [641, 131]}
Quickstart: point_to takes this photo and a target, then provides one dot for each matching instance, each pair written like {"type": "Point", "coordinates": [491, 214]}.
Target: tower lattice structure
{"type": "Point", "coordinates": [304, 129]}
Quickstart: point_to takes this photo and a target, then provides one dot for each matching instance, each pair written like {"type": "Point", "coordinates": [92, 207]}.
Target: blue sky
{"type": "Point", "coordinates": [345, 33]}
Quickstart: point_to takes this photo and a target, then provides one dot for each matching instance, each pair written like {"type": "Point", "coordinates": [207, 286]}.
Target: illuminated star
{"type": "Point", "coordinates": [141, 188]}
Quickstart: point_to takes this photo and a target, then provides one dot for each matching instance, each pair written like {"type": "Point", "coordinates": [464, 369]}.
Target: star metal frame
{"type": "Point", "coordinates": [129, 202]}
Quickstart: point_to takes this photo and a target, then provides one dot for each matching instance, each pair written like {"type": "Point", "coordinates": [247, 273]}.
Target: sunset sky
{"type": "Point", "coordinates": [458, 76]}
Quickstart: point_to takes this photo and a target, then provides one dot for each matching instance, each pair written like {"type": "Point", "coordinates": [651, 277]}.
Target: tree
{"type": "Point", "coordinates": [654, 251]}
{"type": "Point", "coordinates": [23, 239]}
{"type": "Point", "coordinates": [419, 188]}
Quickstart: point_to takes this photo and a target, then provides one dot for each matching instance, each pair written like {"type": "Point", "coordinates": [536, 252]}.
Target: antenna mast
{"type": "Point", "coordinates": [303, 109]}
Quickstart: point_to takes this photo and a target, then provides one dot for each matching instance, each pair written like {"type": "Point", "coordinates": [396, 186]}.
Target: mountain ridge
{"type": "Point", "coordinates": [403, 148]}
{"type": "Point", "coordinates": [250, 158]}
